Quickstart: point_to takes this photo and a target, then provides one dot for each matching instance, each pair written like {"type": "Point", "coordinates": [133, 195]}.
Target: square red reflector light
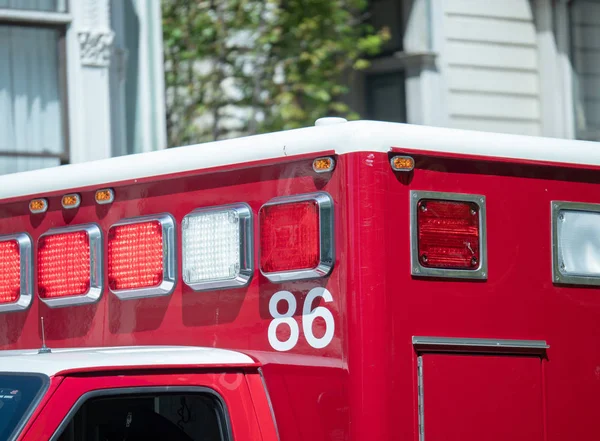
{"type": "Point", "coordinates": [296, 237]}
{"type": "Point", "coordinates": [10, 271]}
{"type": "Point", "coordinates": [69, 266]}
{"type": "Point", "coordinates": [16, 279]}
{"type": "Point", "coordinates": [141, 260]}
{"type": "Point", "coordinates": [448, 234]}
{"type": "Point", "coordinates": [63, 265]}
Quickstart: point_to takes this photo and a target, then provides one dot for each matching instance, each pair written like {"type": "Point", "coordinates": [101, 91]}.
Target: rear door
{"type": "Point", "coordinates": [175, 406]}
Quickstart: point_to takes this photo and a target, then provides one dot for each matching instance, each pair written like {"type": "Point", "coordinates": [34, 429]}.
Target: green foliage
{"type": "Point", "coordinates": [237, 67]}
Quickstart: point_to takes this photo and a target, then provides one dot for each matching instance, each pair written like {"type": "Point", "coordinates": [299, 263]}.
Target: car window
{"type": "Point", "coordinates": [18, 395]}
{"type": "Point", "coordinates": [147, 417]}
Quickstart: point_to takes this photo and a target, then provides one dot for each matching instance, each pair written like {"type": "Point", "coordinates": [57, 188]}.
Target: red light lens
{"type": "Point", "coordinates": [448, 233]}
{"type": "Point", "coordinates": [10, 271]}
{"type": "Point", "coordinates": [135, 256]}
{"type": "Point", "coordinates": [64, 265]}
{"type": "Point", "coordinates": [289, 237]}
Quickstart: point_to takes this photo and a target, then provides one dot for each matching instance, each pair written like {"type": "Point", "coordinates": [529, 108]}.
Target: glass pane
{"type": "Point", "coordinates": [386, 97]}
{"type": "Point", "coordinates": [585, 29]}
{"type": "Point", "coordinates": [175, 417]}
{"type": "Point", "coordinates": [35, 5]}
{"type": "Point", "coordinates": [388, 13]}
{"type": "Point", "coordinates": [31, 117]}
{"type": "Point", "coordinates": [17, 394]}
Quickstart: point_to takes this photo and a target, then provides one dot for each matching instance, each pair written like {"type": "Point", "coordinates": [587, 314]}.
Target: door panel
{"type": "Point", "coordinates": [178, 406]}
{"type": "Point", "coordinates": [474, 397]}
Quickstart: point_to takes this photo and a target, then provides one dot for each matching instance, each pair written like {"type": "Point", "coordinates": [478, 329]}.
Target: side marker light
{"type": "Point", "coordinates": [38, 206]}
{"type": "Point", "coordinates": [71, 201]}
{"type": "Point", "coordinates": [323, 165]}
{"type": "Point", "coordinates": [105, 196]}
{"type": "Point", "coordinates": [402, 163]}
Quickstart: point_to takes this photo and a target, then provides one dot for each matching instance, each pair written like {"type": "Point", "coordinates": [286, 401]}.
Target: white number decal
{"type": "Point", "coordinates": [320, 311]}
{"type": "Point", "coordinates": [308, 317]}
{"type": "Point", "coordinates": [283, 319]}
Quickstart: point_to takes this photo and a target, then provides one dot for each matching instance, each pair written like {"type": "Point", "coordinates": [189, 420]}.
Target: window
{"type": "Point", "coordinates": [378, 92]}
{"type": "Point", "coordinates": [32, 84]}
{"type": "Point", "coordinates": [18, 392]}
{"type": "Point", "coordinates": [585, 60]}
{"type": "Point", "coordinates": [147, 417]}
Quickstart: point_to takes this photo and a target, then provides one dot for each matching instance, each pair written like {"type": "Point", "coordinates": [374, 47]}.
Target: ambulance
{"type": "Point", "coordinates": [350, 281]}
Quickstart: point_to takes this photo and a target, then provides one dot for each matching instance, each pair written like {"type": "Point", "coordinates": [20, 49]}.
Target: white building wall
{"type": "Point", "coordinates": [491, 66]}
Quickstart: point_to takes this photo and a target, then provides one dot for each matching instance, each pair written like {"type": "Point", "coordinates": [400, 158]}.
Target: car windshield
{"type": "Point", "coordinates": [18, 394]}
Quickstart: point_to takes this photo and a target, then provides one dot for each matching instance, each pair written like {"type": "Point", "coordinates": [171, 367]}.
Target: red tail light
{"type": "Point", "coordinates": [448, 234]}
{"type": "Point", "coordinates": [16, 278]}
{"type": "Point", "coordinates": [69, 266]}
{"type": "Point", "coordinates": [10, 271]}
{"type": "Point", "coordinates": [296, 237]}
{"type": "Point", "coordinates": [64, 268]}
{"type": "Point", "coordinates": [141, 257]}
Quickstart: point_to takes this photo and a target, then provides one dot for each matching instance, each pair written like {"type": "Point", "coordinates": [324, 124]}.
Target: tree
{"type": "Point", "coordinates": [238, 67]}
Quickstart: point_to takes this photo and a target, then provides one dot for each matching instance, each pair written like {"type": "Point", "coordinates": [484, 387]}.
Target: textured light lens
{"type": "Point", "coordinates": [10, 271]}
{"type": "Point", "coordinates": [211, 246]}
{"type": "Point", "coordinates": [135, 256]}
{"type": "Point", "coordinates": [64, 267]}
{"type": "Point", "coordinates": [578, 234]}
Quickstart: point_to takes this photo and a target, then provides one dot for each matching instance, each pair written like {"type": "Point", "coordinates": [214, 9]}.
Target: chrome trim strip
{"type": "Point", "coordinates": [26, 269]}
{"type": "Point", "coordinates": [169, 260]}
{"type": "Point", "coordinates": [419, 270]}
{"type": "Point", "coordinates": [326, 233]}
{"type": "Point", "coordinates": [420, 398]}
{"type": "Point", "coordinates": [246, 249]}
{"type": "Point", "coordinates": [96, 261]}
{"type": "Point", "coordinates": [557, 275]}
{"type": "Point", "coordinates": [479, 342]}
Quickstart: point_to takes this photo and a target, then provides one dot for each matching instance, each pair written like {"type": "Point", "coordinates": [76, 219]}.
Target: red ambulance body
{"type": "Point", "coordinates": [349, 281]}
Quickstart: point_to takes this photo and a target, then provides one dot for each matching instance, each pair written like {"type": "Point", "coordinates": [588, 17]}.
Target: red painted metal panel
{"type": "Point", "coordinates": [474, 397]}
{"type": "Point", "coordinates": [230, 386]}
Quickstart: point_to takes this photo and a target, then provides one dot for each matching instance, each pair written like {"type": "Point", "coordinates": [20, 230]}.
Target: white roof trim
{"type": "Point", "coordinates": [102, 358]}
{"type": "Point", "coordinates": [342, 138]}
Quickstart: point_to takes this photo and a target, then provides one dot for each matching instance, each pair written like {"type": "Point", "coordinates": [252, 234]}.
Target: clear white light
{"type": "Point", "coordinates": [578, 235]}
{"type": "Point", "coordinates": [211, 246]}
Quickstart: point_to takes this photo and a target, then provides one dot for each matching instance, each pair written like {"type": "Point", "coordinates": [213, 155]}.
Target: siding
{"type": "Point", "coordinates": [585, 31]}
{"type": "Point", "coordinates": [491, 66]}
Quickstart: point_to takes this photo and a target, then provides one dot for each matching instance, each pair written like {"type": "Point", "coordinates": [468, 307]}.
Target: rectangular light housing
{"type": "Point", "coordinates": [576, 243]}
{"type": "Point", "coordinates": [217, 247]}
{"type": "Point", "coordinates": [15, 272]}
{"type": "Point", "coordinates": [69, 266]}
{"type": "Point", "coordinates": [141, 257]}
{"type": "Point", "coordinates": [448, 235]}
{"type": "Point", "coordinates": [296, 237]}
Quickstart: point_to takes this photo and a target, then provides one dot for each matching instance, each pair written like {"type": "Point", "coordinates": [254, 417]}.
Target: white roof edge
{"type": "Point", "coordinates": [30, 361]}
{"type": "Point", "coordinates": [343, 138]}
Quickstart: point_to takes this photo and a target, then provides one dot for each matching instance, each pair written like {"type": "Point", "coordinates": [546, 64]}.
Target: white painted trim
{"type": "Point", "coordinates": [113, 357]}
{"type": "Point", "coordinates": [344, 138]}
{"type": "Point", "coordinates": [35, 17]}
{"type": "Point", "coordinates": [567, 73]}
{"type": "Point", "coordinates": [551, 106]}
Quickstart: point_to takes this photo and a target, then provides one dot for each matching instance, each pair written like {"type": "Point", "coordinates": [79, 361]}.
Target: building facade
{"type": "Point", "coordinates": [515, 66]}
{"type": "Point", "coordinates": [79, 80]}
{"type": "Point", "coordinates": [84, 79]}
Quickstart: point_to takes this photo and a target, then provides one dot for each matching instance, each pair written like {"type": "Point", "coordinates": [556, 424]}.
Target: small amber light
{"type": "Point", "coordinates": [402, 163]}
{"type": "Point", "coordinates": [322, 165]}
{"type": "Point", "coordinates": [71, 200]}
{"type": "Point", "coordinates": [105, 196]}
{"type": "Point", "coordinates": [38, 205]}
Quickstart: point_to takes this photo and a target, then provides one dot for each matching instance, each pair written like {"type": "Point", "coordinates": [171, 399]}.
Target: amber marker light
{"type": "Point", "coordinates": [402, 163]}
{"type": "Point", "coordinates": [323, 165]}
{"type": "Point", "coordinates": [38, 205]}
{"type": "Point", "coordinates": [105, 196]}
{"type": "Point", "coordinates": [71, 201]}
